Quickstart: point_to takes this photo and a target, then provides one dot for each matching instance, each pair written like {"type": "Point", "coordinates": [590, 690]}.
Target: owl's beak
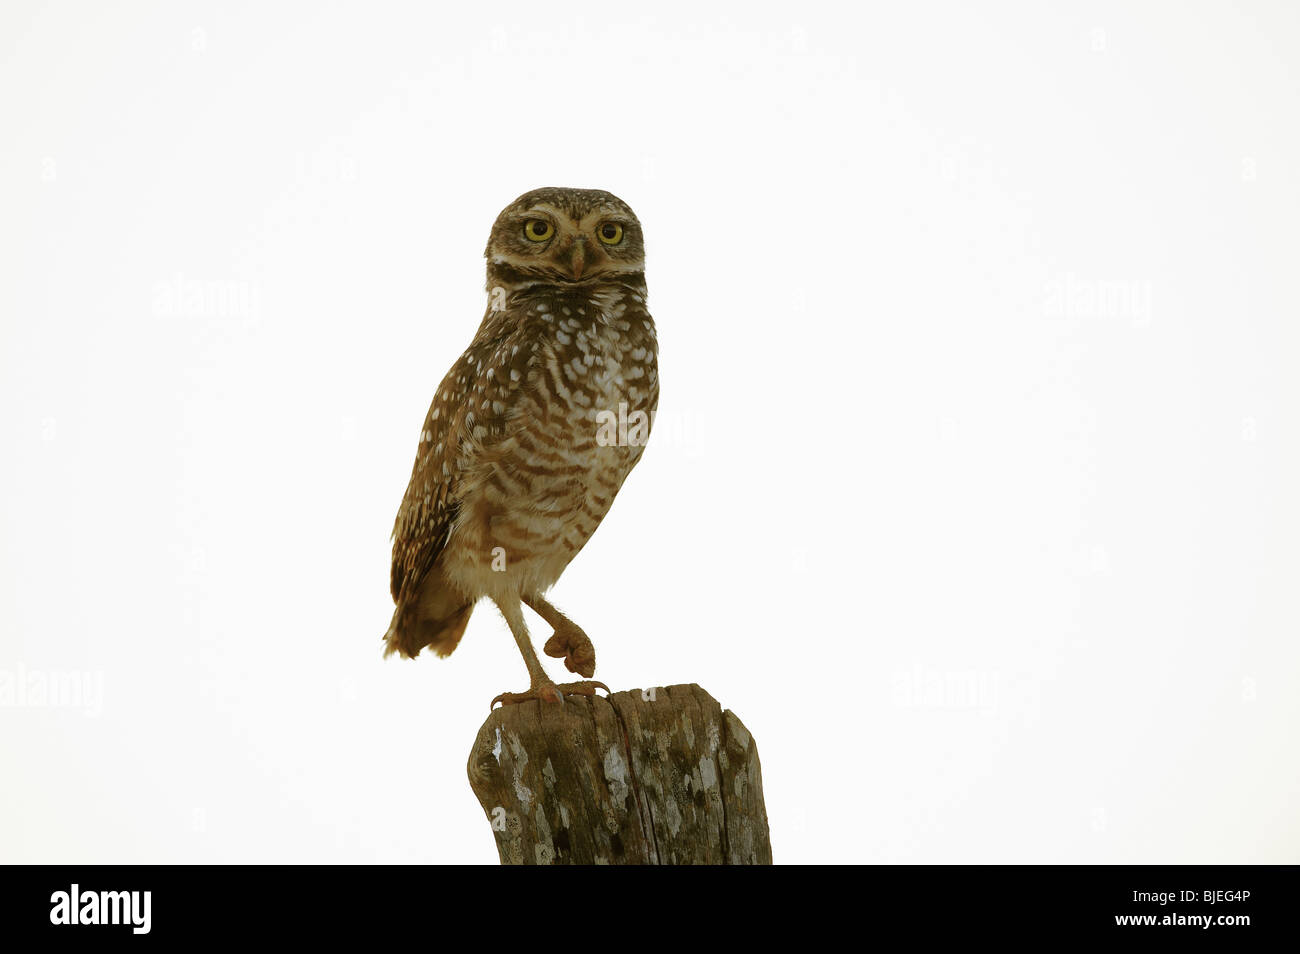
{"type": "Point", "coordinates": [578, 259]}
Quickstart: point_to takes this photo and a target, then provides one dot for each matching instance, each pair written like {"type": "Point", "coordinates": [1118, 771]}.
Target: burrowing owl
{"type": "Point", "coordinates": [531, 433]}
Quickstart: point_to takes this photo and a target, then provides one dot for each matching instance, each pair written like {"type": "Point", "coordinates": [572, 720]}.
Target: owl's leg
{"type": "Point", "coordinates": [540, 686]}
{"type": "Point", "coordinates": [568, 642]}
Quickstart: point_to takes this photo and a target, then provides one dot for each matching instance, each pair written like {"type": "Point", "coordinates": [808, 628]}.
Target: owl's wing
{"type": "Point", "coordinates": [428, 508]}
{"type": "Point", "coordinates": [468, 412]}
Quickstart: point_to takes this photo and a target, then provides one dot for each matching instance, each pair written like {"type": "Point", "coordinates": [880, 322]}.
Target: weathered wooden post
{"type": "Point", "coordinates": [655, 776]}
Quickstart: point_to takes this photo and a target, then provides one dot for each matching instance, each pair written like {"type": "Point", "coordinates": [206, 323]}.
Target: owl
{"type": "Point", "coordinates": [531, 434]}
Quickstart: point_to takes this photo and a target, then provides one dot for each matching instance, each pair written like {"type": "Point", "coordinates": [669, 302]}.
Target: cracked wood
{"type": "Point", "coordinates": [663, 776]}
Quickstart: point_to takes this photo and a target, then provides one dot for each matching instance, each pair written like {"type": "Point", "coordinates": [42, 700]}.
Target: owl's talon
{"type": "Point", "coordinates": [547, 694]}
{"type": "Point", "coordinates": [550, 693]}
{"type": "Point", "coordinates": [586, 688]}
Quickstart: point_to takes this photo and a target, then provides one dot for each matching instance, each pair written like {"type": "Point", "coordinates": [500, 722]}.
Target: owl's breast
{"type": "Point", "coordinates": [594, 389]}
{"type": "Point", "coordinates": [577, 425]}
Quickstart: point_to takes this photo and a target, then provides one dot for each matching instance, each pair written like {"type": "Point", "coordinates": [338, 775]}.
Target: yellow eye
{"type": "Point", "coordinates": [538, 230]}
{"type": "Point", "coordinates": [611, 233]}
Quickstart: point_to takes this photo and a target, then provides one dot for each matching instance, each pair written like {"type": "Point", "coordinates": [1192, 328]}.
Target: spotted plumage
{"type": "Point", "coordinates": [517, 464]}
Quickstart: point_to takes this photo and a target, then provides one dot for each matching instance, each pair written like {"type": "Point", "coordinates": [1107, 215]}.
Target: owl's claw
{"type": "Point", "coordinates": [572, 644]}
{"type": "Point", "coordinates": [549, 693]}
{"type": "Point", "coordinates": [587, 687]}
{"type": "Point", "coordinates": [546, 693]}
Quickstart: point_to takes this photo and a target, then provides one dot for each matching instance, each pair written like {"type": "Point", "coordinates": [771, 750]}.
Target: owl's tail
{"type": "Point", "coordinates": [437, 619]}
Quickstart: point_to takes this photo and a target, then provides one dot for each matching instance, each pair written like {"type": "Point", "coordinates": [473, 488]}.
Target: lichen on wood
{"type": "Point", "coordinates": [656, 776]}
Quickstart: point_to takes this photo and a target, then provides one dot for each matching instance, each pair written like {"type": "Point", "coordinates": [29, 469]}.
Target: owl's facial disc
{"type": "Point", "coordinates": [566, 242]}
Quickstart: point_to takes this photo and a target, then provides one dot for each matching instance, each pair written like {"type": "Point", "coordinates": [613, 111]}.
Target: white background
{"type": "Point", "coordinates": [973, 490]}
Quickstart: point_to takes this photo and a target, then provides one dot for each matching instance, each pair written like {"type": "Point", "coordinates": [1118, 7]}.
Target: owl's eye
{"type": "Point", "coordinates": [611, 233]}
{"type": "Point", "coordinates": [538, 230]}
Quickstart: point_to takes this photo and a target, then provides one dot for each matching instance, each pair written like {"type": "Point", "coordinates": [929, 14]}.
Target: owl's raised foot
{"type": "Point", "coordinates": [549, 693]}
{"type": "Point", "coordinates": [571, 643]}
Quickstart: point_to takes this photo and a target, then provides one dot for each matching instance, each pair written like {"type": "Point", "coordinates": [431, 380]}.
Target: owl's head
{"type": "Point", "coordinates": [565, 236]}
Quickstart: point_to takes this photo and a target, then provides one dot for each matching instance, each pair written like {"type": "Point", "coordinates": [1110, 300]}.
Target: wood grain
{"type": "Point", "coordinates": [660, 776]}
